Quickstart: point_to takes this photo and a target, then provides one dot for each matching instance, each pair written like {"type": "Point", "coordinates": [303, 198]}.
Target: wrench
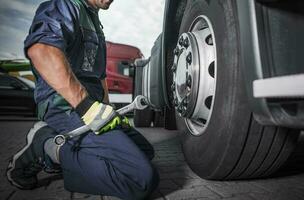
{"type": "Point", "coordinates": [139, 103]}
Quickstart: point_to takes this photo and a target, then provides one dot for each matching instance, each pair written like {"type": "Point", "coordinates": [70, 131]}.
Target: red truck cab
{"type": "Point", "coordinates": [119, 73]}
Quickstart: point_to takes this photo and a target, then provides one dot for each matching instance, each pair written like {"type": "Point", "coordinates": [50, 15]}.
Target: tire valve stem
{"type": "Point", "coordinates": [173, 68]}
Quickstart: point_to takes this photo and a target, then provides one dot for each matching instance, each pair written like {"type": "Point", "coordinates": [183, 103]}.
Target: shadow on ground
{"type": "Point", "coordinates": [177, 178]}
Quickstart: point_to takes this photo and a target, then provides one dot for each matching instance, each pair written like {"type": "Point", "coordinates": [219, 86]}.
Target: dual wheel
{"type": "Point", "coordinates": [146, 117]}
{"type": "Point", "coordinates": [220, 137]}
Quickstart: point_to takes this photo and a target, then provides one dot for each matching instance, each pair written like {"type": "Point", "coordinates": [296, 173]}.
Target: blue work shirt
{"type": "Point", "coordinates": [74, 28]}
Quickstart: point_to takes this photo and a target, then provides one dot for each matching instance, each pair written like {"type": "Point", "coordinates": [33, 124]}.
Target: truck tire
{"type": "Point", "coordinates": [158, 119]}
{"type": "Point", "coordinates": [142, 118]}
{"type": "Point", "coordinates": [220, 138]}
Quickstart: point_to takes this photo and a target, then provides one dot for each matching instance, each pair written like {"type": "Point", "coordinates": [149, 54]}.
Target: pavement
{"type": "Point", "coordinates": [177, 180]}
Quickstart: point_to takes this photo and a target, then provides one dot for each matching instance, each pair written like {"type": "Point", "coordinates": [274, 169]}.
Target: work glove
{"type": "Point", "coordinates": [98, 116]}
{"type": "Point", "coordinates": [118, 120]}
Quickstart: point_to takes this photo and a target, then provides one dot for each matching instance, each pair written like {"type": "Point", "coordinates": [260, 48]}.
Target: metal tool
{"type": "Point", "coordinates": [139, 103]}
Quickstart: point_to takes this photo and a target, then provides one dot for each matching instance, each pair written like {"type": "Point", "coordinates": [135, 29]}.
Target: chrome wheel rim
{"type": "Point", "coordinates": [194, 75]}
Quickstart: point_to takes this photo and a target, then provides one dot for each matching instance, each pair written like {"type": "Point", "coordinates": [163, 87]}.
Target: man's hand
{"type": "Point", "coordinates": [98, 116]}
{"type": "Point", "coordinates": [101, 118]}
{"type": "Point", "coordinates": [118, 120]}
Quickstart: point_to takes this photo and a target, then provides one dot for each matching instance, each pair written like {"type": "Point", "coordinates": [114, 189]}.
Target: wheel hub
{"type": "Point", "coordinates": [194, 75]}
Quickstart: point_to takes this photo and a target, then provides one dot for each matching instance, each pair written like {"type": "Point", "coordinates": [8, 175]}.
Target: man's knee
{"type": "Point", "coordinates": [129, 186]}
{"type": "Point", "coordinates": [145, 184]}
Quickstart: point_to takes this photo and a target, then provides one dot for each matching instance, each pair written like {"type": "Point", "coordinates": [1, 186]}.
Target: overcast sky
{"type": "Point", "coordinates": [133, 22]}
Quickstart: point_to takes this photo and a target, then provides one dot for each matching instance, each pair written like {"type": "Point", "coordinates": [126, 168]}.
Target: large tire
{"type": "Point", "coordinates": [158, 119]}
{"type": "Point", "coordinates": [142, 118]}
{"type": "Point", "coordinates": [233, 145]}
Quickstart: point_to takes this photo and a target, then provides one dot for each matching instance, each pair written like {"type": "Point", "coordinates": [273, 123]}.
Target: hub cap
{"type": "Point", "coordinates": [194, 75]}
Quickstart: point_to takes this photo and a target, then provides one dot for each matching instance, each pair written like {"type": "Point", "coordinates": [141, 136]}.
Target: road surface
{"type": "Point", "coordinates": [177, 179]}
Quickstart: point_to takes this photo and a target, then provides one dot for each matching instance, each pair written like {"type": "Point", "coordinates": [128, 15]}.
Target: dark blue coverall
{"type": "Point", "coordinates": [115, 163]}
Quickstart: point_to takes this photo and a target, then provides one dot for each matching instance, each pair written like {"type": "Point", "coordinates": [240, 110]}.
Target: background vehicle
{"type": "Point", "coordinates": [119, 73]}
{"type": "Point", "coordinates": [231, 79]}
{"type": "Point", "coordinates": [16, 96]}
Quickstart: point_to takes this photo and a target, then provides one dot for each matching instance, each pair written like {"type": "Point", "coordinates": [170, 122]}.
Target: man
{"type": "Point", "coordinates": [67, 48]}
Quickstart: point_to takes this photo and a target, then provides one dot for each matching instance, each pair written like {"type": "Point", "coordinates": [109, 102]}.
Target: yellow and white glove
{"type": "Point", "coordinates": [98, 116]}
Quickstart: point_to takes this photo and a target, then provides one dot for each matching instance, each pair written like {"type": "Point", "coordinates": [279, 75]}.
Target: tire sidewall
{"type": "Point", "coordinates": [142, 118]}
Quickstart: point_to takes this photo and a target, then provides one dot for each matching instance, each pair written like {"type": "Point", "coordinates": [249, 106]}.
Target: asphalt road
{"type": "Point", "coordinates": [177, 179]}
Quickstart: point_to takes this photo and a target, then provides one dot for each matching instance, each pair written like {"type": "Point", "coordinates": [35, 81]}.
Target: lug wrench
{"type": "Point", "coordinates": [139, 103]}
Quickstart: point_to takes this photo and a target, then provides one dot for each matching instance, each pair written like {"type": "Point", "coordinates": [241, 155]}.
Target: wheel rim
{"type": "Point", "coordinates": [194, 75]}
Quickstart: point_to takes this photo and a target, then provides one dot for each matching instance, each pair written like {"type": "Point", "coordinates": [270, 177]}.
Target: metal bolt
{"type": "Point", "coordinates": [186, 43]}
{"type": "Point", "coordinates": [189, 81]}
{"type": "Point", "coordinates": [189, 58]}
{"type": "Point", "coordinates": [181, 41]}
{"type": "Point", "coordinates": [176, 51]}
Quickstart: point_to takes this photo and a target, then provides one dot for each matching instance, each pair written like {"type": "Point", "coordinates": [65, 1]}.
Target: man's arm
{"type": "Point", "coordinates": [54, 68]}
{"type": "Point", "coordinates": [106, 91]}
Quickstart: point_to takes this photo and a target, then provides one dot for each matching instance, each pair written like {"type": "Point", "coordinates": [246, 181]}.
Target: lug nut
{"type": "Point", "coordinates": [176, 51]}
{"type": "Point", "coordinates": [189, 58]}
{"type": "Point", "coordinates": [181, 41]}
{"type": "Point", "coordinates": [189, 81]}
{"type": "Point", "coordinates": [186, 43]}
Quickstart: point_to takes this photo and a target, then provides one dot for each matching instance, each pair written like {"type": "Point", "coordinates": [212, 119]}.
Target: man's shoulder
{"type": "Point", "coordinates": [63, 6]}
